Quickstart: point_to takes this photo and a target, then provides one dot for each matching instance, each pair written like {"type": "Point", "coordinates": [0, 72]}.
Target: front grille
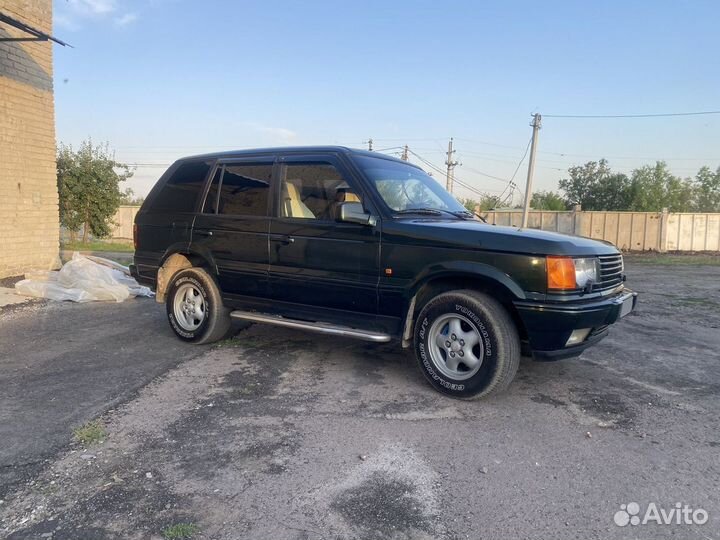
{"type": "Point", "coordinates": [611, 272]}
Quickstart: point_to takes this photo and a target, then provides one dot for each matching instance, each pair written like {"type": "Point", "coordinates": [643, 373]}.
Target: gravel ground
{"type": "Point", "coordinates": [280, 434]}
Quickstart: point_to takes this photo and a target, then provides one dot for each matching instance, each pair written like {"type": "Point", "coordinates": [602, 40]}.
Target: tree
{"type": "Point", "coordinates": [654, 187]}
{"type": "Point", "coordinates": [486, 202]}
{"type": "Point", "coordinates": [595, 187]}
{"type": "Point", "coordinates": [89, 188]}
{"type": "Point", "coordinates": [707, 190]}
{"type": "Point", "coordinates": [547, 200]}
{"type": "Point", "coordinates": [128, 198]}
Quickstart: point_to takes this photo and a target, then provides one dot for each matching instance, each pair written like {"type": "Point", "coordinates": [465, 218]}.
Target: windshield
{"type": "Point", "coordinates": [404, 187]}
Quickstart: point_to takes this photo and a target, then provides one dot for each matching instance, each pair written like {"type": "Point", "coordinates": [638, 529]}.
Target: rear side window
{"type": "Point", "coordinates": [243, 190]}
{"type": "Point", "coordinates": [180, 192]}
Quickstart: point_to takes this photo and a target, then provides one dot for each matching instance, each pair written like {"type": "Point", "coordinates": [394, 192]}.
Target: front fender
{"type": "Point", "coordinates": [468, 270]}
{"type": "Point", "coordinates": [461, 271]}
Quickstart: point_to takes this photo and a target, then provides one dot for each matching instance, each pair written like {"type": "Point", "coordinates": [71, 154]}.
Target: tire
{"type": "Point", "coordinates": [466, 344]}
{"type": "Point", "coordinates": [195, 309]}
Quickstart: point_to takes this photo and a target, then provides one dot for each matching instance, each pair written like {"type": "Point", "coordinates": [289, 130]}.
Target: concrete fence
{"type": "Point", "coordinates": [124, 219]}
{"type": "Point", "coordinates": [629, 231]}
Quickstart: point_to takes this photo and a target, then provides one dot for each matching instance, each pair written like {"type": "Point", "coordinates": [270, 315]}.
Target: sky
{"type": "Point", "coordinates": [161, 79]}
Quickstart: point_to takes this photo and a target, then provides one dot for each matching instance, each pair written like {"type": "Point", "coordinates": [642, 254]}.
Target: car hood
{"type": "Point", "coordinates": [471, 234]}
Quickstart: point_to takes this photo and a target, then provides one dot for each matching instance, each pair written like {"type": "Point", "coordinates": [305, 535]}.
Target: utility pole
{"type": "Point", "coordinates": [370, 144]}
{"type": "Point", "coordinates": [450, 178]}
{"type": "Point", "coordinates": [537, 120]}
{"type": "Point", "coordinates": [404, 155]}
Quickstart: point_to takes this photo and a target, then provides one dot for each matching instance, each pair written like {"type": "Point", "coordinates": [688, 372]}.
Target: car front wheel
{"type": "Point", "coordinates": [195, 309]}
{"type": "Point", "coordinates": [466, 344]}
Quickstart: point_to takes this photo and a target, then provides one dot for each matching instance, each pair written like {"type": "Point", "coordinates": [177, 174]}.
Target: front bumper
{"type": "Point", "coordinates": [549, 325]}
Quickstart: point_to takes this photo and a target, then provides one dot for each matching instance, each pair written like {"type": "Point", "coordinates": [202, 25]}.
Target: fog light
{"type": "Point", "coordinates": [578, 336]}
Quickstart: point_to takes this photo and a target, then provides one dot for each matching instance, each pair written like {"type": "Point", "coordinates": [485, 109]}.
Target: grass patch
{"type": "Point", "coordinates": [234, 341]}
{"type": "Point", "coordinates": [703, 302]}
{"type": "Point", "coordinates": [180, 530]}
{"type": "Point", "coordinates": [239, 337]}
{"type": "Point", "coordinates": [675, 260]}
{"type": "Point", "coordinates": [90, 433]}
{"type": "Point", "coordinates": [98, 245]}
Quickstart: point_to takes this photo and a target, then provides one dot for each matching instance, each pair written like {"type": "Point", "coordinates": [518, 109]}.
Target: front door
{"type": "Point", "coordinates": [314, 259]}
{"type": "Point", "coordinates": [232, 229]}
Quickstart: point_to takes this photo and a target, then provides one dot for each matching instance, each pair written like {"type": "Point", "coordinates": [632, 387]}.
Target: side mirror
{"type": "Point", "coordinates": [353, 212]}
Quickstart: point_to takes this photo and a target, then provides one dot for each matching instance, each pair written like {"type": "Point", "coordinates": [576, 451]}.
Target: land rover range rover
{"type": "Point", "coordinates": [359, 244]}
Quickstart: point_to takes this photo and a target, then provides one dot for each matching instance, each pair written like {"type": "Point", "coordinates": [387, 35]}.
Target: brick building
{"type": "Point", "coordinates": [29, 226]}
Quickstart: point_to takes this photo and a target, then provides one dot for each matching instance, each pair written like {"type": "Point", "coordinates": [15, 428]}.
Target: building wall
{"type": "Point", "coordinates": [29, 226]}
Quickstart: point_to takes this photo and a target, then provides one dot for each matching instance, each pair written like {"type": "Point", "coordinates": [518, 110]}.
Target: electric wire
{"type": "Point", "coordinates": [652, 115]}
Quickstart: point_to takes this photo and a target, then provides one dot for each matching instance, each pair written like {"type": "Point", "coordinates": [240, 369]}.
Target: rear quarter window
{"type": "Point", "coordinates": [181, 191]}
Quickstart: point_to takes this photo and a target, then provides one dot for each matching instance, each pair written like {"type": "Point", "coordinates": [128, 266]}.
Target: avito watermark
{"type": "Point", "coordinates": [679, 514]}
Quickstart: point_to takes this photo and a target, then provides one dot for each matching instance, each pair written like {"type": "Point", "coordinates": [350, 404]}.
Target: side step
{"type": "Point", "coordinates": [323, 328]}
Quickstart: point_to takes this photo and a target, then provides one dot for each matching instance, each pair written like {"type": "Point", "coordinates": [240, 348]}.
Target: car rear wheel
{"type": "Point", "coordinates": [195, 309]}
{"type": "Point", "coordinates": [466, 344]}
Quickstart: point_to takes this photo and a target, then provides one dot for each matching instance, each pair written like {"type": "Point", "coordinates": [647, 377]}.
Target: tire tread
{"type": "Point", "coordinates": [507, 335]}
{"type": "Point", "coordinates": [219, 323]}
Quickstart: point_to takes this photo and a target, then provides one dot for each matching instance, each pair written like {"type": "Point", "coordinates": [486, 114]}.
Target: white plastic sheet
{"type": "Point", "coordinates": [83, 279]}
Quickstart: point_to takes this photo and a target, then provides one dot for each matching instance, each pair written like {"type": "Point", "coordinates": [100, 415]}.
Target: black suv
{"type": "Point", "coordinates": [360, 244]}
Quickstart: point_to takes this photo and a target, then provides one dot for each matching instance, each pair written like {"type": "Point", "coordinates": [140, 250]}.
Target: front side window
{"type": "Point", "coordinates": [180, 192]}
{"type": "Point", "coordinates": [240, 190]}
{"type": "Point", "coordinates": [404, 187]}
{"type": "Point", "coordinates": [313, 190]}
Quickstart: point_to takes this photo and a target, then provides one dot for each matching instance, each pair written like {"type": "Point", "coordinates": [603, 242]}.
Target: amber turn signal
{"type": "Point", "coordinates": [560, 273]}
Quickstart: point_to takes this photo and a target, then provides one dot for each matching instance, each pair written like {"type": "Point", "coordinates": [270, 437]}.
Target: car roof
{"type": "Point", "coordinates": [293, 150]}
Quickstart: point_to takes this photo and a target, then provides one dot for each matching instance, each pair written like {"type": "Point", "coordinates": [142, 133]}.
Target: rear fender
{"type": "Point", "coordinates": [176, 261]}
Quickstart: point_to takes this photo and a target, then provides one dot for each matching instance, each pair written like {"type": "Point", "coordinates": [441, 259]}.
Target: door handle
{"type": "Point", "coordinates": [203, 233]}
{"type": "Point", "coordinates": [282, 238]}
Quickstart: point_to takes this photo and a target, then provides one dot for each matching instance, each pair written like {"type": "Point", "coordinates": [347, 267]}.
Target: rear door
{"type": "Point", "coordinates": [232, 229]}
{"type": "Point", "coordinates": [314, 259]}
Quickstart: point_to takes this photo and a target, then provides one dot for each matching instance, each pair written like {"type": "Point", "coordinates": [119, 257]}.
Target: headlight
{"type": "Point", "coordinates": [567, 273]}
{"type": "Point", "coordinates": [586, 270]}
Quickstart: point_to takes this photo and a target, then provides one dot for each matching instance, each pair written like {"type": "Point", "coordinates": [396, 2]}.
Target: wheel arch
{"type": "Point", "coordinates": [488, 280]}
{"type": "Point", "coordinates": [172, 263]}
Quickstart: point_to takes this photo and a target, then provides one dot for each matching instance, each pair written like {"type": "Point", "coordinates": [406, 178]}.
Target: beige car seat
{"type": "Point", "coordinates": [292, 204]}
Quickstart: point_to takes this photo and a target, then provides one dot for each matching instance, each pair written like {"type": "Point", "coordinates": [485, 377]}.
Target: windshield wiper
{"type": "Point", "coordinates": [471, 214]}
{"type": "Point", "coordinates": [427, 211]}
{"type": "Point", "coordinates": [462, 214]}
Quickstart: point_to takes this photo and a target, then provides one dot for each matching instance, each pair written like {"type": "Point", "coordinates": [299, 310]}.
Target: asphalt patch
{"type": "Point", "coordinates": [382, 507]}
{"type": "Point", "coordinates": [548, 400]}
{"type": "Point", "coordinates": [606, 407]}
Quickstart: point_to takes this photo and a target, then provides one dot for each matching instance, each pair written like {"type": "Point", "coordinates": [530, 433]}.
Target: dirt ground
{"type": "Point", "coordinates": [287, 435]}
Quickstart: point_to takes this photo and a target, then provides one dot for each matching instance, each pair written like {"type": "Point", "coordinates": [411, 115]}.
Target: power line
{"type": "Point", "coordinates": [511, 184]}
{"type": "Point", "coordinates": [521, 159]}
{"type": "Point", "coordinates": [485, 174]}
{"type": "Point", "coordinates": [426, 162]}
{"type": "Point", "coordinates": [460, 182]}
{"type": "Point", "coordinates": [656, 115]}
{"type": "Point", "coordinates": [439, 170]}
{"type": "Point", "coordinates": [149, 164]}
